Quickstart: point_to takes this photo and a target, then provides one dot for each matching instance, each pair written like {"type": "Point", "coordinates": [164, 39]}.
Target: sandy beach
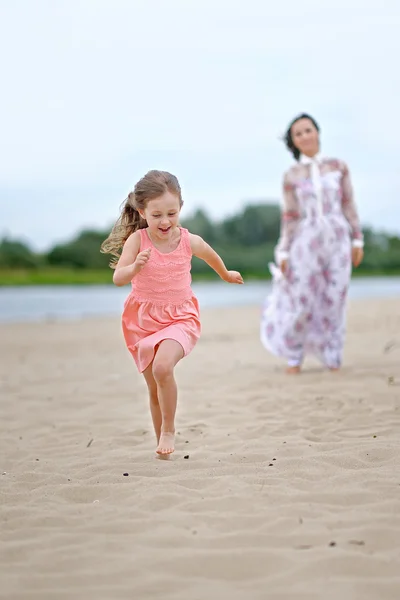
{"type": "Point", "coordinates": [280, 488]}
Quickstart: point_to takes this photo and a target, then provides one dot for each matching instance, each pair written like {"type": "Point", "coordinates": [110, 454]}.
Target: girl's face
{"type": "Point", "coordinates": [162, 215]}
{"type": "Point", "coordinates": [305, 137]}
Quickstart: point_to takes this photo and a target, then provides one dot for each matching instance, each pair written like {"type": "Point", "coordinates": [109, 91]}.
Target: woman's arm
{"type": "Point", "coordinates": [290, 217]}
{"type": "Point", "coordinates": [349, 208]}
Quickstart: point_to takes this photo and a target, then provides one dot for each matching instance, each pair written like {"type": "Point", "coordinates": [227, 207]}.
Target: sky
{"type": "Point", "coordinates": [94, 93]}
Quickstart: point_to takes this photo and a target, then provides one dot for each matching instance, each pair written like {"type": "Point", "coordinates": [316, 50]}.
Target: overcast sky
{"type": "Point", "coordinates": [96, 92]}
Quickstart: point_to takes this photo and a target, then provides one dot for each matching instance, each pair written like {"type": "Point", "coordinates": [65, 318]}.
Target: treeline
{"type": "Point", "coordinates": [245, 240]}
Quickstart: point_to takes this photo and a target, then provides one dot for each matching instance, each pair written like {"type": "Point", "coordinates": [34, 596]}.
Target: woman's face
{"type": "Point", "coordinates": [305, 137]}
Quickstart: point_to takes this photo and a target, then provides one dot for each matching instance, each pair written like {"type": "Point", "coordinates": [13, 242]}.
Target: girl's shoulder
{"type": "Point", "coordinates": [133, 241]}
{"type": "Point", "coordinates": [132, 237]}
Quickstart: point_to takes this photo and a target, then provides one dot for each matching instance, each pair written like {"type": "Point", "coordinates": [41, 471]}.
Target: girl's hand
{"type": "Point", "coordinates": [283, 266]}
{"type": "Point", "coordinates": [357, 254]}
{"type": "Point", "coordinates": [234, 277]}
{"type": "Point", "coordinates": [142, 259]}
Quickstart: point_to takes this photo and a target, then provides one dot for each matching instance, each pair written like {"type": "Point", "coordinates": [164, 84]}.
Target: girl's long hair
{"type": "Point", "coordinates": [153, 185]}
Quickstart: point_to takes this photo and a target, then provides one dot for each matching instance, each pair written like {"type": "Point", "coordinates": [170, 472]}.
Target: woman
{"type": "Point", "coordinates": [320, 237]}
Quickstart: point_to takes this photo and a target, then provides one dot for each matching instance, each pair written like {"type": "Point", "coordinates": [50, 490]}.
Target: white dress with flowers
{"type": "Point", "coordinates": [305, 312]}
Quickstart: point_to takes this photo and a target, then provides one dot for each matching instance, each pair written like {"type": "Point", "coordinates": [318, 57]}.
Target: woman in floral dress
{"type": "Point", "coordinates": [320, 239]}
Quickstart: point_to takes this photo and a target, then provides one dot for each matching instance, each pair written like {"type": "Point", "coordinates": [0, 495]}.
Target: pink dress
{"type": "Point", "coordinates": [161, 304]}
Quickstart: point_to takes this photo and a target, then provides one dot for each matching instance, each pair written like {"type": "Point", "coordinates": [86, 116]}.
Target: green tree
{"type": "Point", "coordinates": [83, 252]}
{"type": "Point", "coordinates": [200, 224]}
{"type": "Point", "coordinates": [255, 225]}
{"type": "Point", "coordinates": [15, 254]}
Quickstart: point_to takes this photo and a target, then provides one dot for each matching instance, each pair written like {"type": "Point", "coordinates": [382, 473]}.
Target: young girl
{"type": "Point", "coordinates": [320, 237]}
{"type": "Point", "coordinates": [160, 320]}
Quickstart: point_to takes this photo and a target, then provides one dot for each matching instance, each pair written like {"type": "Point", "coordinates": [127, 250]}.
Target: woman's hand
{"type": "Point", "coordinates": [283, 266]}
{"type": "Point", "coordinates": [357, 254]}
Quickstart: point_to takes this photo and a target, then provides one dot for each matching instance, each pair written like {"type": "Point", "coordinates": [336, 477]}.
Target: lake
{"type": "Point", "coordinates": [39, 303]}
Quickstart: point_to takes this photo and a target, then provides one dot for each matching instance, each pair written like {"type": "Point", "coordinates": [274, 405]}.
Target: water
{"type": "Point", "coordinates": [39, 303]}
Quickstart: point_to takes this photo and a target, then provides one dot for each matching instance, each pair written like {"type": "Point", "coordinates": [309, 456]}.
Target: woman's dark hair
{"type": "Point", "coordinates": [287, 138]}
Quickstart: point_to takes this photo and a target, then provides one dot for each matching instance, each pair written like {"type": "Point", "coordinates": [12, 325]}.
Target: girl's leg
{"type": "Point", "coordinates": [153, 397]}
{"type": "Point", "coordinates": [169, 353]}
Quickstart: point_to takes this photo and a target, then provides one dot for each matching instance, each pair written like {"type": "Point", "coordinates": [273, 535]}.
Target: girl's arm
{"type": "Point", "coordinates": [349, 208]}
{"type": "Point", "coordinates": [131, 261]}
{"type": "Point", "coordinates": [202, 250]}
{"type": "Point", "coordinates": [290, 217]}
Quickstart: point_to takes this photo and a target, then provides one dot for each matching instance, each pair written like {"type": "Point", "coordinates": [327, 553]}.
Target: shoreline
{"type": "Point", "coordinates": [86, 277]}
{"type": "Point", "coordinates": [55, 303]}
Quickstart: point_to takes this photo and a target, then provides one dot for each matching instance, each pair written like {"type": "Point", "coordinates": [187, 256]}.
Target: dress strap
{"type": "Point", "coordinates": [185, 242]}
{"type": "Point", "coordinates": [144, 240]}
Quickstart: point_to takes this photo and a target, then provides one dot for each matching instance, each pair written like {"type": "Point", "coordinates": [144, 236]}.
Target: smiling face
{"type": "Point", "coordinates": [162, 215]}
{"type": "Point", "coordinates": [305, 137]}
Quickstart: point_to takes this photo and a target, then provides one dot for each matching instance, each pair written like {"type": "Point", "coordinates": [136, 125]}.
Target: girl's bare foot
{"type": "Point", "coordinates": [293, 370]}
{"type": "Point", "coordinates": [166, 445]}
{"type": "Point", "coordinates": [334, 369]}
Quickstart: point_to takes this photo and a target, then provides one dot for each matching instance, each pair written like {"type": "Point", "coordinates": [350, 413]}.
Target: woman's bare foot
{"type": "Point", "coordinates": [293, 370]}
{"type": "Point", "coordinates": [166, 445]}
{"type": "Point", "coordinates": [334, 369]}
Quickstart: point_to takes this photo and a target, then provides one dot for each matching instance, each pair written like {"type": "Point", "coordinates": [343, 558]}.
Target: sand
{"type": "Point", "coordinates": [281, 487]}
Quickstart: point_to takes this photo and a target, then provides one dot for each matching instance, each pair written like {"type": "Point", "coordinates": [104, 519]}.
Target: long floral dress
{"type": "Point", "coordinates": [305, 312]}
